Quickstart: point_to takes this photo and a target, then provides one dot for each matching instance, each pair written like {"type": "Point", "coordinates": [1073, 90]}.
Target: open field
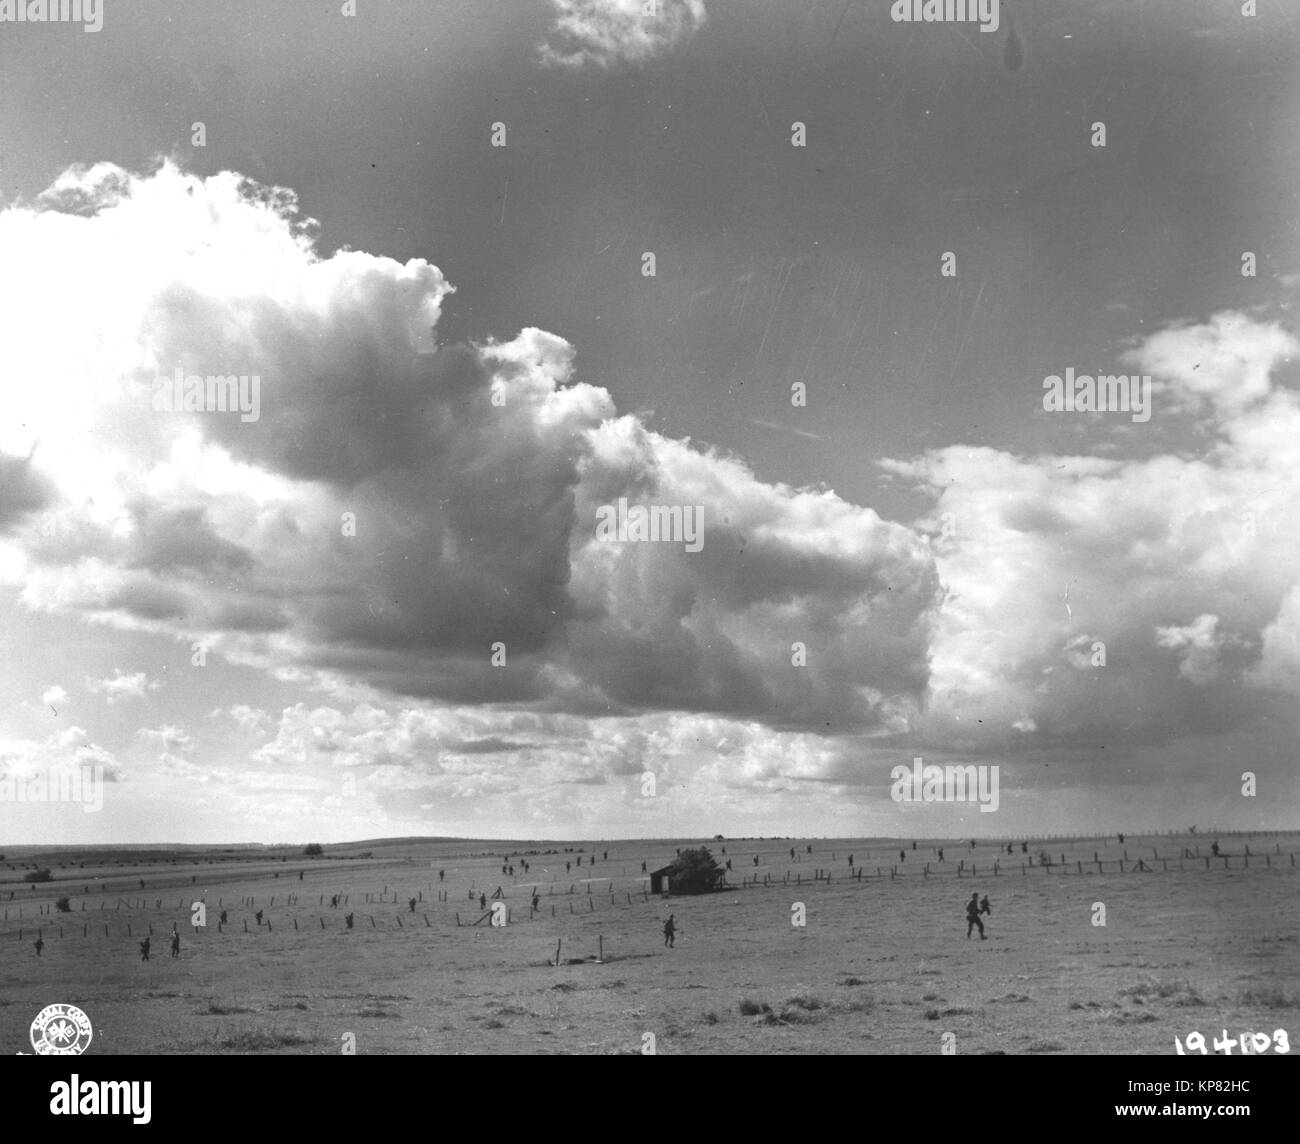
{"type": "Point", "coordinates": [882, 965]}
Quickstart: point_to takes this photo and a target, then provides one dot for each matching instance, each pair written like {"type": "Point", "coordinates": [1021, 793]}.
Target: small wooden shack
{"type": "Point", "coordinates": [659, 880]}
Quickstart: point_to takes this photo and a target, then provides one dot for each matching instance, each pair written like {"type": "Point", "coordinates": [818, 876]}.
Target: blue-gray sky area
{"type": "Point", "coordinates": [795, 265]}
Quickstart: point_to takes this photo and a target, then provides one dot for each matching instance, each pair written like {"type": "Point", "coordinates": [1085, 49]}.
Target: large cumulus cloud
{"type": "Point", "coordinates": [400, 506]}
{"type": "Point", "coordinates": [1118, 602]}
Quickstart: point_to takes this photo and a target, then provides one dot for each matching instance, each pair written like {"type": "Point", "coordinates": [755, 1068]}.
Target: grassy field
{"type": "Point", "coordinates": [882, 964]}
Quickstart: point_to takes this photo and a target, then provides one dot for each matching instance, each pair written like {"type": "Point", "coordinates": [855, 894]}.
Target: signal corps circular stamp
{"type": "Point", "coordinates": [61, 1031]}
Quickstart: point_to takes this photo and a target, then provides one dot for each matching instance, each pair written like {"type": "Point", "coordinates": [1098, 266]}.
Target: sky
{"type": "Point", "coordinates": [497, 266]}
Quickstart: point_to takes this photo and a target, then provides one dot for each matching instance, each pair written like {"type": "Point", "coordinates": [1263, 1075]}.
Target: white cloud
{"type": "Point", "coordinates": [1224, 363]}
{"type": "Point", "coordinates": [120, 687]}
{"type": "Point", "coordinates": [63, 752]}
{"type": "Point", "coordinates": [166, 738]}
{"type": "Point", "coordinates": [54, 695]}
{"type": "Point", "coordinates": [474, 518]}
{"type": "Point", "coordinates": [1047, 556]}
{"type": "Point", "coordinates": [607, 32]}
{"type": "Point", "coordinates": [251, 720]}
{"type": "Point", "coordinates": [1279, 663]}
{"type": "Point", "coordinates": [1200, 643]}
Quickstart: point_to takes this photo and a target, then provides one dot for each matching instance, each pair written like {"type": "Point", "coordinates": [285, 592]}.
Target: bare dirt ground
{"type": "Point", "coordinates": [882, 965]}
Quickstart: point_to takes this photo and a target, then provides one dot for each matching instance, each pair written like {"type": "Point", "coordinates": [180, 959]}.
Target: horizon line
{"type": "Point", "coordinates": [394, 839]}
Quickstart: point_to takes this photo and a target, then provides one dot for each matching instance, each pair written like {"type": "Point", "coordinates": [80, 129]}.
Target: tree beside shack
{"type": "Point", "coordinates": [692, 872]}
